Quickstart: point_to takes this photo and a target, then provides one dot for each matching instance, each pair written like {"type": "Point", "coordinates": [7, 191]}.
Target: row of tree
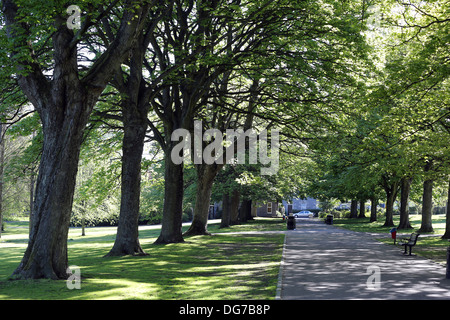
{"type": "Point", "coordinates": [137, 71]}
{"type": "Point", "coordinates": [400, 134]}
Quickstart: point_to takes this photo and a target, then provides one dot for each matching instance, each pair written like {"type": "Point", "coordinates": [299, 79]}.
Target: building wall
{"type": "Point", "coordinates": [301, 204]}
{"type": "Point", "coordinates": [262, 209]}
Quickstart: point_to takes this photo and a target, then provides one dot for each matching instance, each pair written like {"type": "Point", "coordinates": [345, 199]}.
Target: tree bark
{"type": "Point", "coordinates": [205, 179]}
{"type": "Point", "coordinates": [353, 209]}
{"type": "Point", "coordinates": [447, 217]}
{"type": "Point", "coordinates": [362, 209]}
{"type": "Point", "coordinates": [64, 104]}
{"type": "Point", "coordinates": [31, 199]}
{"type": "Point", "coordinates": [391, 188]}
{"type": "Point", "coordinates": [135, 107]}
{"type": "Point", "coordinates": [404, 204]}
{"type": "Point", "coordinates": [373, 209]}
{"type": "Point", "coordinates": [234, 207]}
{"type": "Point", "coordinates": [226, 212]}
{"type": "Point", "coordinates": [390, 199]}
{"type": "Point", "coordinates": [127, 237]}
{"type": "Point", "coordinates": [246, 210]}
{"type": "Point", "coordinates": [46, 254]}
{"type": "Point", "coordinates": [2, 165]}
{"type": "Point", "coordinates": [173, 203]}
{"type": "Point", "coordinates": [427, 206]}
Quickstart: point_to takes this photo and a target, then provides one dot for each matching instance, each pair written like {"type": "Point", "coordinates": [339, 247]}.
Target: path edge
{"type": "Point", "coordinates": [281, 271]}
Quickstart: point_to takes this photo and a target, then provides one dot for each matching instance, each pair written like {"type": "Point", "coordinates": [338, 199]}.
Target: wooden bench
{"type": "Point", "coordinates": [409, 243]}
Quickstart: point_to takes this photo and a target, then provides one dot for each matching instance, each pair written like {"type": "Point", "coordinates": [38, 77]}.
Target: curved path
{"type": "Point", "coordinates": [325, 262]}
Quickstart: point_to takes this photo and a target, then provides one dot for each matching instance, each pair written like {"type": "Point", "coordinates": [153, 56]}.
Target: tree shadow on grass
{"type": "Point", "coordinates": [216, 267]}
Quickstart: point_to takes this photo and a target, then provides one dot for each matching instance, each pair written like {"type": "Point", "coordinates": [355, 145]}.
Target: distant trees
{"type": "Point", "coordinates": [399, 132]}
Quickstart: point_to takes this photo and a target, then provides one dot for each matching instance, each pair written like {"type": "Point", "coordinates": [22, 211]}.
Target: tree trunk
{"type": "Point", "coordinates": [127, 237]}
{"type": "Point", "coordinates": [246, 210]}
{"type": "Point", "coordinates": [404, 204]}
{"type": "Point", "coordinates": [234, 207]}
{"type": "Point", "coordinates": [83, 225]}
{"type": "Point", "coordinates": [353, 209]}
{"type": "Point", "coordinates": [173, 203]}
{"type": "Point", "coordinates": [31, 199]}
{"type": "Point", "coordinates": [135, 106]}
{"type": "Point", "coordinates": [390, 199]}
{"type": "Point", "coordinates": [205, 179]}
{"type": "Point", "coordinates": [427, 206]}
{"type": "Point", "coordinates": [2, 164]}
{"type": "Point", "coordinates": [447, 218]}
{"type": "Point", "coordinates": [362, 209]}
{"type": "Point", "coordinates": [226, 212]}
{"type": "Point", "coordinates": [46, 254]}
{"type": "Point", "coordinates": [391, 189]}
{"type": "Point", "coordinates": [373, 209]}
{"type": "Point", "coordinates": [64, 104]}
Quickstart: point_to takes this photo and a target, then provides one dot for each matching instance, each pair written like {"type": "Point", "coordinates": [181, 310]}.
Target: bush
{"type": "Point", "coordinates": [105, 214]}
{"type": "Point", "coordinates": [150, 217]}
{"type": "Point", "coordinates": [187, 215]}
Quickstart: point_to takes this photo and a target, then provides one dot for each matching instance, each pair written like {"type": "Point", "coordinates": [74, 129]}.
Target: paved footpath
{"type": "Point", "coordinates": [325, 262]}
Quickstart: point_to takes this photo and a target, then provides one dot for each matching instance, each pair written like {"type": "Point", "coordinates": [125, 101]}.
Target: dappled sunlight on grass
{"type": "Point", "coordinates": [364, 224]}
{"type": "Point", "coordinates": [429, 245]}
{"type": "Point", "coordinates": [221, 266]}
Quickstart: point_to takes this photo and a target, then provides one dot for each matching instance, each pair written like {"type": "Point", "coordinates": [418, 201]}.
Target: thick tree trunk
{"type": "Point", "coordinates": [234, 207]}
{"type": "Point", "coordinates": [46, 254]}
{"type": "Point", "coordinates": [391, 189]}
{"type": "Point", "coordinates": [173, 203]}
{"type": "Point", "coordinates": [127, 237]}
{"type": "Point", "coordinates": [362, 209]}
{"type": "Point", "coordinates": [447, 218]}
{"type": "Point", "coordinates": [353, 209]}
{"type": "Point", "coordinates": [373, 209]}
{"type": "Point", "coordinates": [427, 206]}
{"type": "Point", "coordinates": [135, 108]}
{"type": "Point", "coordinates": [404, 204]}
{"type": "Point", "coordinates": [390, 199]}
{"type": "Point", "coordinates": [31, 199]}
{"type": "Point", "coordinates": [205, 179]}
{"type": "Point", "coordinates": [2, 165]}
{"type": "Point", "coordinates": [246, 210]}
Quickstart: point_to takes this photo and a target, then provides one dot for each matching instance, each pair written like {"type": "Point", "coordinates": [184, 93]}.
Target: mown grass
{"type": "Point", "coordinates": [429, 245]}
{"type": "Point", "coordinates": [221, 266]}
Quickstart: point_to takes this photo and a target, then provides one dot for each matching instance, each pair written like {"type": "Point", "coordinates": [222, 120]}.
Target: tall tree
{"type": "Point", "coordinates": [2, 167]}
{"type": "Point", "coordinates": [135, 106]}
{"type": "Point", "coordinates": [447, 216]}
{"type": "Point", "coordinates": [404, 203]}
{"type": "Point", "coordinates": [285, 80]}
{"type": "Point", "coordinates": [64, 102]}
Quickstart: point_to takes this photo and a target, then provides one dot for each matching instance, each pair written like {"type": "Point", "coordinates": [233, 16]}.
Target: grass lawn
{"type": "Point", "coordinates": [222, 266]}
{"type": "Point", "coordinates": [429, 245]}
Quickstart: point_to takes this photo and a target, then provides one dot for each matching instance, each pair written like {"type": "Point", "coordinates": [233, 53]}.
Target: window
{"type": "Point", "coordinates": [269, 207]}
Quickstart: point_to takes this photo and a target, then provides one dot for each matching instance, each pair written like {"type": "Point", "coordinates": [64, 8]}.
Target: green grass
{"type": "Point", "coordinates": [429, 245]}
{"type": "Point", "coordinates": [222, 266]}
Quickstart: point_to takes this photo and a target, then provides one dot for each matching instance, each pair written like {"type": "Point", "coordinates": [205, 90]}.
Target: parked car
{"type": "Point", "coordinates": [303, 214]}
